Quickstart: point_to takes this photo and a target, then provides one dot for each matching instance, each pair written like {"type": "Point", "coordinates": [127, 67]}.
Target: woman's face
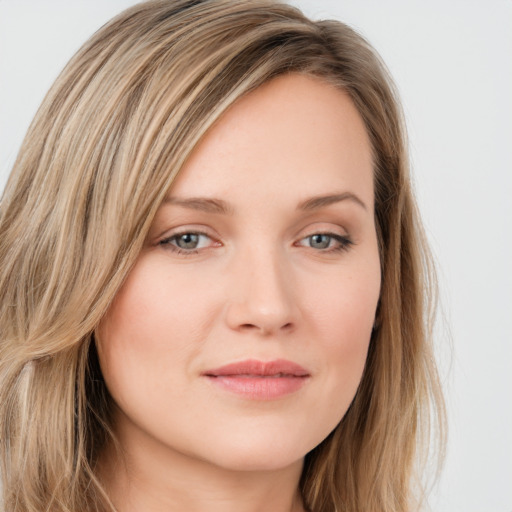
{"type": "Point", "coordinates": [240, 336]}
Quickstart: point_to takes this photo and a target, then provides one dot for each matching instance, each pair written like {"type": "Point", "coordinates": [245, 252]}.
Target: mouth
{"type": "Point", "coordinates": [259, 380]}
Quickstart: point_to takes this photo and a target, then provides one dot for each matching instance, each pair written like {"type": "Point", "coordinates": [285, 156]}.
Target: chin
{"type": "Point", "coordinates": [259, 453]}
{"type": "Point", "coordinates": [260, 461]}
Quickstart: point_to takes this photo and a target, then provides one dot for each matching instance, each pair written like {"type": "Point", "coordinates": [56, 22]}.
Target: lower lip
{"type": "Point", "coordinates": [259, 388]}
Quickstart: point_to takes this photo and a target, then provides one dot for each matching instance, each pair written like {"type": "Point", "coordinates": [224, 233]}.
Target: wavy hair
{"type": "Point", "coordinates": [104, 148]}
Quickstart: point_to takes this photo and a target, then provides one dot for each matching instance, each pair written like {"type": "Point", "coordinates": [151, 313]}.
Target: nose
{"type": "Point", "coordinates": [261, 295]}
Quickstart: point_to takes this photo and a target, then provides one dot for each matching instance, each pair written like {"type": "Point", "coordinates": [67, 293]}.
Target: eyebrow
{"type": "Point", "coordinates": [202, 204]}
{"type": "Point", "coordinates": [218, 206]}
{"type": "Point", "coordinates": [314, 203]}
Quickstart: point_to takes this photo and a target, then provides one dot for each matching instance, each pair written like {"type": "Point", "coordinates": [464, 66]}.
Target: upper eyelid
{"type": "Point", "coordinates": [323, 228]}
{"type": "Point", "coordinates": [333, 228]}
{"type": "Point", "coordinates": [345, 239]}
{"type": "Point", "coordinates": [186, 232]}
{"type": "Point", "coordinates": [181, 233]}
{"type": "Point", "coordinates": [173, 232]}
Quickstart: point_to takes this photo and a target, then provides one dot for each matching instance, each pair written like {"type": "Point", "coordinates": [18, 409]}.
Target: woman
{"type": "Point", "coordinates": [213, 277]}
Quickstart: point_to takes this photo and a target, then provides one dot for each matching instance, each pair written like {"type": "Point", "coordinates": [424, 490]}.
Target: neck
{"type": "Point", "coordinates": [145, 477]}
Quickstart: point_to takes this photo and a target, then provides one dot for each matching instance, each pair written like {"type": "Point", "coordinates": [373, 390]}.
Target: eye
{"type": "Point", "coordinates": [326, 242]}
{"type": "Point", "coordinates": [319, 241]}
{"type": "Point", "coordinates": [189, 242]}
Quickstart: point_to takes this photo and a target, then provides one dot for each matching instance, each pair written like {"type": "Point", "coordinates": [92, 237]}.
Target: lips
{"type": "Point", "coordinates": [259, 380]}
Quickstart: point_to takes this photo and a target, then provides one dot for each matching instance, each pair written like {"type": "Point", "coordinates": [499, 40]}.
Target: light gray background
{"type": "Point", "coordinates": [452, 62]}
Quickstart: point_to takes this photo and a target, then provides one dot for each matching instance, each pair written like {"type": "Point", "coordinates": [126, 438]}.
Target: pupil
{"type": "Point", "coordinates": [188, 241]}
{"type": "Point", "coordinates": [320, 241]}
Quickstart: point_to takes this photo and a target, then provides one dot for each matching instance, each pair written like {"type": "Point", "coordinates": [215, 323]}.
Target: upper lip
{"type": "Point", "coordinates": [253, 367]}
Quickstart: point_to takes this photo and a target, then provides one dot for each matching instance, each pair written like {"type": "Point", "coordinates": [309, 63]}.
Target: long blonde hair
{"type": "Point", "coordinates": [103, 150]}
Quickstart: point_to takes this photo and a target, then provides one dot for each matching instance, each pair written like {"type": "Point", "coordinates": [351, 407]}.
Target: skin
{"type": "Point", "coordinates": [258, 285]}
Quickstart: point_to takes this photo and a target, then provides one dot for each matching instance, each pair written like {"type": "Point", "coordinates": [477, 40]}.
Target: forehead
{"type": "Point", "coordinates": [293, 130]}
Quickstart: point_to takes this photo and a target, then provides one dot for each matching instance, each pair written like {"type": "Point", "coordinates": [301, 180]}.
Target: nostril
{"type": "Point", "coordinates": [248, 327]}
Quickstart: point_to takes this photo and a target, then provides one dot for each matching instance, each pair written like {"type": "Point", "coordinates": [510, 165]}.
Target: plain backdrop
{"type": "Point", "coordinates": [452, 62]}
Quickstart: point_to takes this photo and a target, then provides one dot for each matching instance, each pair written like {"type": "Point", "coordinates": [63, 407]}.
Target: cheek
{"type": "Point", "coordinates": [346, 341]}
{"type": "Point", "coordinates": [154, 332]}
{"type": "Point", "coordinates": [147, 331]}
{"type": "Point", "coordinates": [156, 307]}
{"type": "Point", "coordinates": [344, 317]}
{"type": "Point", "coordinates": [344, 308]}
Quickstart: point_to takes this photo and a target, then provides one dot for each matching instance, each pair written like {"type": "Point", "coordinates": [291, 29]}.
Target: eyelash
{"type": "Point", "coordinates": [343, 243]}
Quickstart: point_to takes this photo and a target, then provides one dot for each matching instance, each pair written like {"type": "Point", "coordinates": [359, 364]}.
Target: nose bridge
{"type": "Point", "coordinates": [261, 297]}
